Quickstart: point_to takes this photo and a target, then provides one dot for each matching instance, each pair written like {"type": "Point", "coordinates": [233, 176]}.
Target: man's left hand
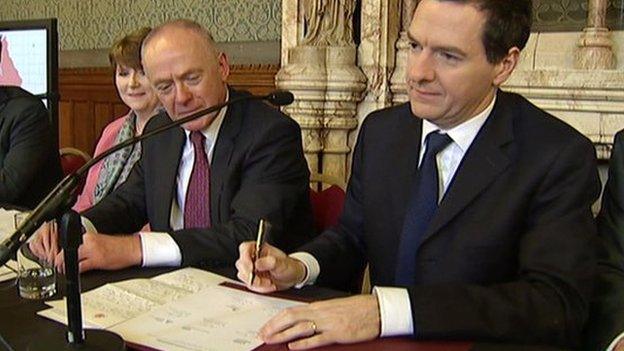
{"type": "Point", "coordinates": [108, 252]}
{"type": "Point", "coordinates": [346, 320]}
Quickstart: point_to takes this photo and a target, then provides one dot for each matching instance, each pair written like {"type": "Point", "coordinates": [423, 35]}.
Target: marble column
{"type": "Point", "coordinates": [397, 82]}
{"type": "Point", "coordinates": [594, 48]}
{"type": "Point", "coordinates": [319, 67]}
{"type": "Point", "coordinates": [376, 53]}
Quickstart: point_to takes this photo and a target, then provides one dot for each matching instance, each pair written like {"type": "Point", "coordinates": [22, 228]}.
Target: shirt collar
{"type": "Point", "coordinates": [212, 130]}
{"type": "Point", "coordinates": [464, 133]}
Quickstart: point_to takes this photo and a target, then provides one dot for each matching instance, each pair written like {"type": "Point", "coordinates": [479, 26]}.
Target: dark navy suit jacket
{"type": "Point", "coordinates": [508, 254]}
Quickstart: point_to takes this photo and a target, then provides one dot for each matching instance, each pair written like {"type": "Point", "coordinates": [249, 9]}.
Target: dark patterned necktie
{"type": "Point", "coordinates": [422, 207]}
{"type": "Point", "coordinates": [197, 203]}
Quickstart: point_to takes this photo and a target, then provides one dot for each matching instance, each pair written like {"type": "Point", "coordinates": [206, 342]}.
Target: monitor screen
{"type": "Point", "coordinates": [29, 59]}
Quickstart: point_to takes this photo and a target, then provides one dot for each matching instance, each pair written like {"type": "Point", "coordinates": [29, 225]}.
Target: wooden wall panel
{"type": "Point", "coordinates": [89, 101]}
{"type": "Point", "coordinates": [65, 124]}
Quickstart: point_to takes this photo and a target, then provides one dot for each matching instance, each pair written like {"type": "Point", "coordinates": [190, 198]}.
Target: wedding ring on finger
{"type": "Point", "coordinates": [313, 327]}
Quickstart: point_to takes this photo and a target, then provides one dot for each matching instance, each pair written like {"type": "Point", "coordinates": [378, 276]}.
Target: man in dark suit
{"type": "Point", "coordinates": [606, 318]}
{"type": "Point", "coordinates": [29, 157]}
{"type": "Point", "coordinates": [471, 205]}
{"type": "Point", "coordinates": [204, 187]}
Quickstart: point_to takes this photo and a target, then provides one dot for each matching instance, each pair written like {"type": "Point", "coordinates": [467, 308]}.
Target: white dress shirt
{"type": "Point", "coordinates": [614, 342]}
{"type": "Point", "coordinates": [394, 303]}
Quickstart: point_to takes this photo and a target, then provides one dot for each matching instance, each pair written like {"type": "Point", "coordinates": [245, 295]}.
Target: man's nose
{"type": "Point", "coordinates": [421, 67]}
{"type": "Point", "coordinates": [183, 94]}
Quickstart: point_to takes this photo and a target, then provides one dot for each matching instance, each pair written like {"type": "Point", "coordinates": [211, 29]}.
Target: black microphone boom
{"type": "Point", "coordinates": [58, 201]}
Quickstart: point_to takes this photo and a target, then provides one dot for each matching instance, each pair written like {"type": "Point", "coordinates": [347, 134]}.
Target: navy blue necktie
{"type": "Point", "coordinates": [422, 206]}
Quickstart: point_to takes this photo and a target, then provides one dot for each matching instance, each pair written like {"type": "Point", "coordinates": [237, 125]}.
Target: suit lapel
{"type": "Point", "coordinates": [165, 179]}
{"type": "Point", "coordinates": [222, 154]}
{"type": "Point", "coordinates": [408, 146]}
{"type": "Point", "coordinates": [481, 164]}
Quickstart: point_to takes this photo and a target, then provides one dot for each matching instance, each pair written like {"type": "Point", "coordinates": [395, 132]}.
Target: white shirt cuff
{"type": "Point", "coordinates": [87, 225]}
{"type": "Point", "coordinates": [614, 342]}
{"type": "Point", "coordinates": [395, 311]}
{"type": "Point", "coordinates": [159, 249]}
{"type": "Point", "coordinates": [313, 269]}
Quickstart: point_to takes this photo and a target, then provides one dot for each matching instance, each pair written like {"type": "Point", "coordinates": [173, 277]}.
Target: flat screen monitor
{"type": "Point", "coordinates": [29, 59]}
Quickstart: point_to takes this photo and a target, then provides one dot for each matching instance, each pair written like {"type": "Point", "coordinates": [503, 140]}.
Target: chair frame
{"type": "Point", "coordinates": [73, 151]}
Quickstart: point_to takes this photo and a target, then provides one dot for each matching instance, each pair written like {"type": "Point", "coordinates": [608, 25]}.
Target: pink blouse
{"type": "Point", "coordinates": [107, 140]}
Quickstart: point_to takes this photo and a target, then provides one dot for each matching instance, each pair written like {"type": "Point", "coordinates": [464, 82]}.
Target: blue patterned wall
{"type": "Point", "coordinates": [92, 24]}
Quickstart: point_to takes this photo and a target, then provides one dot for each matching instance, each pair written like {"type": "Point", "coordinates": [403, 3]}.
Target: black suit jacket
{"type": "Point", "coordinates": [507, 255]}
{"type": "Point", "coordinates": [257, 171]}
{"type": "Point", "coordinates": [29, 156]}
{"type": "Point", "coordinates": [607, 309]}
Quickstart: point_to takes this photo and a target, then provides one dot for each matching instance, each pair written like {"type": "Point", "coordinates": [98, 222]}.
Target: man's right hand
{"type": "Point", "coordinates": [45, 243]}
{"type": "Point", "coordinates": [274, 270]}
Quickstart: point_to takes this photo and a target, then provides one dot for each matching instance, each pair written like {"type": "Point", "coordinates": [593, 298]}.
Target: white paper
{"type": "Point", "coordinates": [105, 306]}
{"type": "Point", "coordinates": [8, 271]}
{"type": "Point", "coordinates": [114, 303]}
{"type": "Point", "coordinates": [7, 223]}
{"type": "Point", "coordinates": [215, 318]}
{"type": "Point", "coordinates": [192, 279]}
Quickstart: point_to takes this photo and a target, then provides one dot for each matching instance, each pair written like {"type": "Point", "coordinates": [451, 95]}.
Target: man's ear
{"type": "Point", "coordinates": [506, 66]}
{"type": "Point", "coordinates": [224, 66]}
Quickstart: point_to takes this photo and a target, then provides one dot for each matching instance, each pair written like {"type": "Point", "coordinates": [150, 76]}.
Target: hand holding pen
{"type": "Point", "coordinates": [263, 228]}
{"type": "Point", "coordinates": [265, 268]}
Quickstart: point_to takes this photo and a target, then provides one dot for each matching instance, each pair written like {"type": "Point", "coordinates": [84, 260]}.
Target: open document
{"type": "Point", "coordinates": [116, 302]}
{"type": "Point", "coordinates": [216, 318]}
{"type": "Point", "coordinates": [182, 310]}
{"type": "Point", "coordinates": [8, 271]}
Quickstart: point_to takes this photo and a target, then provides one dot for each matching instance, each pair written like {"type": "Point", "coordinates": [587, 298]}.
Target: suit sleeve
{"type": "Point", "coordinates": [29, 146]}
{"type": "Point", "coordinates": [607, 308]}
{"type": "Point", "coordinates": [549, 298]}
{"type": "Point", "coordinates": [340, 250]}
{"type": "Point", "coordinates": [274, 178]}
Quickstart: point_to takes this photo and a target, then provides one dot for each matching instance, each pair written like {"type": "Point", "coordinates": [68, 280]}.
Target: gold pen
{"type": "Point", "coordinates": [259, 241]}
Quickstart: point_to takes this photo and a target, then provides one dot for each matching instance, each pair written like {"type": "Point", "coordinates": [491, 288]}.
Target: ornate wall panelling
{"type": "Point", "coordinates": [89, 100]}
{"type": "Point", "coordinates": [379, 50]}
{"type": "Point", "coordinates": [319, 67]}
{"type": "Point", "coordinates": [590, 101]}
{"type": "Point", "coordinates": [91, 24]}
{"type": "Point", "coordinates": [571, 15]}
{"type": "Point", "coordinates": [586, 87]}
{"type": "Point", "coordinates": [397, 82]}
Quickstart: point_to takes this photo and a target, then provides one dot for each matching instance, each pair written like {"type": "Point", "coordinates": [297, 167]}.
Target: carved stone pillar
{"type": "Point", "coordinates": [379, 32]}
{"type": "Point", "coordinates": [319, 68]}
{"type": "Point", "coordinates": [397, 82]}
{"type": "Point", "coordinates": [594, 48]}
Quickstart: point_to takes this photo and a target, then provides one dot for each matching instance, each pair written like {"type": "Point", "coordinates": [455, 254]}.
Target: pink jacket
{"type": "Point", "coordinates": [107, 140]}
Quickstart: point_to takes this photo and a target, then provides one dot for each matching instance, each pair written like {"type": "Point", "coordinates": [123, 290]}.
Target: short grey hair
{"type": "Point", "coordinates": [182, 23]}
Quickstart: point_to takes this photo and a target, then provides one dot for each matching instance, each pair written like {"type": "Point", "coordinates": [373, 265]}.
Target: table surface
{"type": "Point", "coordinates": [20, 326]}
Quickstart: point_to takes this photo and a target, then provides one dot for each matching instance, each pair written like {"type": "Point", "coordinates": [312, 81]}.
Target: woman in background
{"type": "Point", "coordinates": [136, 92]}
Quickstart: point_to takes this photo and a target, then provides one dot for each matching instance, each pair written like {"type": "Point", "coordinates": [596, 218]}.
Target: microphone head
{"type": "Point", "coordinates": [280, 97]}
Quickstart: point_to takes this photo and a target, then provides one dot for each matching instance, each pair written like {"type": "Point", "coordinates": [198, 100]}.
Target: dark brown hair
{"type": "Point", "coordinates": [508, 25]}
{"type": "Point", "coordinates": [127, 50]}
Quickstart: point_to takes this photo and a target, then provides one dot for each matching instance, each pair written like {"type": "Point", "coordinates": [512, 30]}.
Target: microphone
{"type": "Point", "coordinates": [280, 97]}
{"type": "Point", "coordinates": [59, 200]}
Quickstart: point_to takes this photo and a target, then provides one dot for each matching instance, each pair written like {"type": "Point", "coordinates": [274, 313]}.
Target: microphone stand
{"type": "Point", "coordinates": [59, 201]}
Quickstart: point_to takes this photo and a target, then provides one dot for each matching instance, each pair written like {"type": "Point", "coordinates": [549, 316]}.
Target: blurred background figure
{"type": "Point", "coordinates": [29, 158]}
